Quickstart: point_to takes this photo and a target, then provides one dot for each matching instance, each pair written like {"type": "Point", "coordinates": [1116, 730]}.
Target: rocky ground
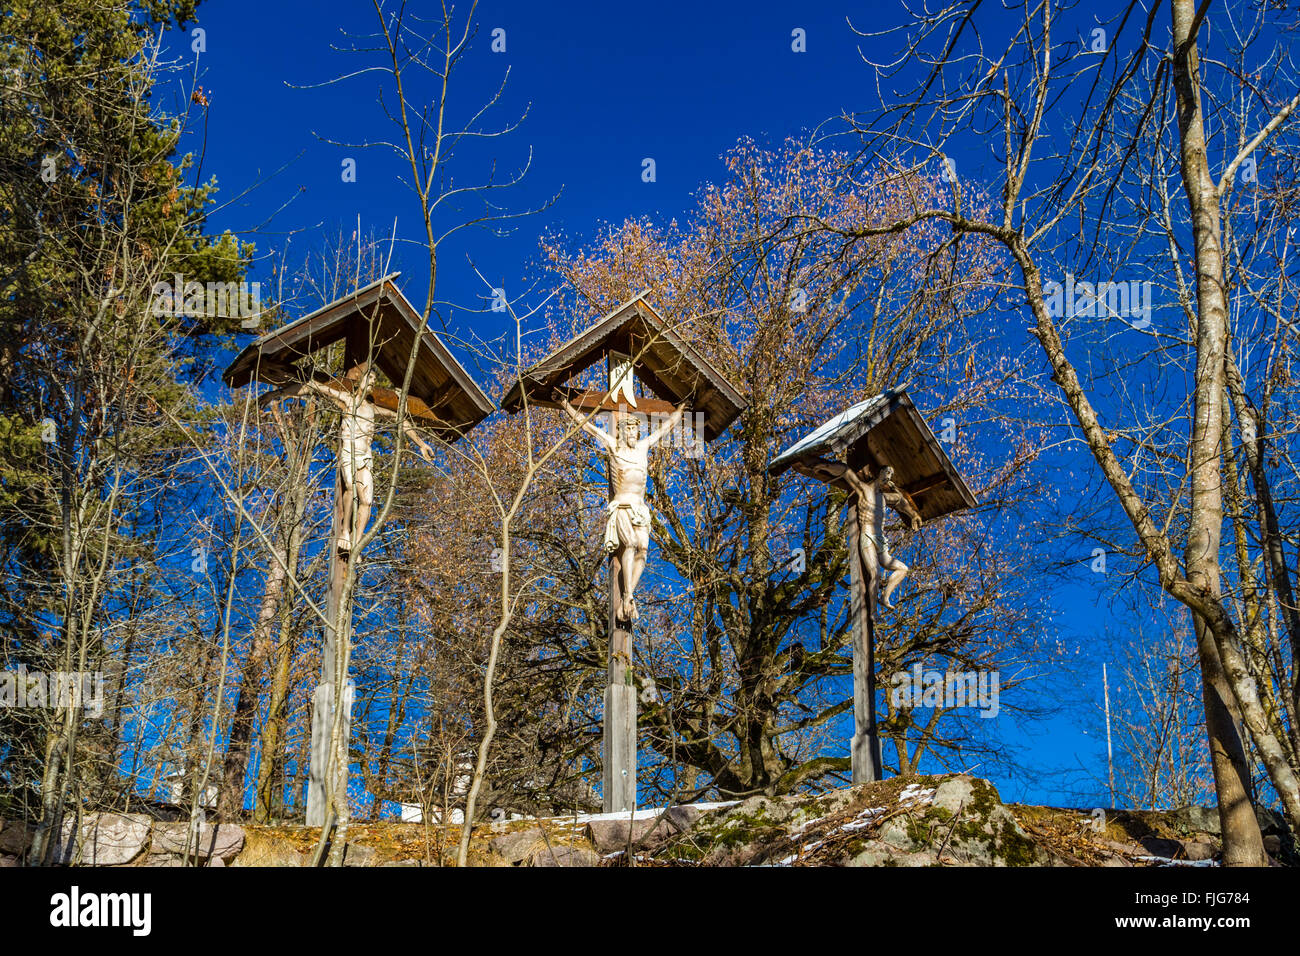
{"type": "Point", "coordinates": [919, 821]}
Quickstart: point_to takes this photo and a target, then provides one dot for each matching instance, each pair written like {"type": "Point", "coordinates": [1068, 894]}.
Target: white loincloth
{"type": "Point", "coordinates": [630, 516]}
{"type": "Point", "coordinates": [880, 544]}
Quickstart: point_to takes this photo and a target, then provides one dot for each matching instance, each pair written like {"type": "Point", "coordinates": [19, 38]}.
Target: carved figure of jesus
{"type": "Point", "coordinates": [354, 489]}
{"type": "Point", "coordinates": [627, 529]}
{"type": "Point", "coordinates": [871, 495]}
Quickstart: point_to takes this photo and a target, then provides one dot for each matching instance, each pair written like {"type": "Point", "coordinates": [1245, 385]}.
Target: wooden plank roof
{"type": "Point", "coordinates": [884, 430]}
{"type": "Point", "coordinates": [672, 368]}
{"type": "Point", "coordinates": [376, 320]}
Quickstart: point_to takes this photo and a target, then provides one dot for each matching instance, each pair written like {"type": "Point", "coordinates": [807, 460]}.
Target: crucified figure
{"type": "Point", "coordinates": [871, 495]}
{"type": "Point", "coordinates": [354, 489]}
{"type": "Point", "coordinates": [628, 528]}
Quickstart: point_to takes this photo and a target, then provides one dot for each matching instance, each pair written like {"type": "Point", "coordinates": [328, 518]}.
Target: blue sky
{"type": "Point", "coordinates": [605, 86]}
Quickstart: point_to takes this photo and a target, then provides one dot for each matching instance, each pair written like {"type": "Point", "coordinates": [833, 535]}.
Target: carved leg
{"type": "Point", "coordinates": [898, 571]}
{"type": "Point", "coordinates": [870, 570]}
{"type": "Point", "coordinates": [343, 508]}
{"type": "Point", "coordinates": [626, 561]}
{"type": "Point", "coordinates": [635, 568]}
{"type": "Point", "coordinates": [365, 499]}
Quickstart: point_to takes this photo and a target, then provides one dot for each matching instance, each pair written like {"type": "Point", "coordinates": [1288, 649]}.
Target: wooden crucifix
{"type": "Point", "coordinates": [872, 437]}
{"type": "Point", "coordinates": [381, 331]}
{"type": "Point", "coordinates": [870, 559]}
{"type": "Point", "coordinates": [354, 496]}
{"type": "Point", "coordinates": [634, 341]}
{"type": "Point", "coordinates": [627, 541]}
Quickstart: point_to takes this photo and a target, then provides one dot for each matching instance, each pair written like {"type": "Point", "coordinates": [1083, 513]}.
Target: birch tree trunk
{"type": "Point", "coordinates": [1242, 842]}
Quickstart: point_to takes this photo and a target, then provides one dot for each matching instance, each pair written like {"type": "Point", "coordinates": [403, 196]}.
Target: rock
{"type": "Point", "coordinates": [216, 861]}
{"type": "Point", "coordinates": [874, 855]}
{"type": "Point", "coordinates": [955, 793]}
{"type": "Point", "coordinates": [15, 837]}
{"type": "Point", "coordinates": [895, 833]}
{"type": "Point", "coordinates": [354, 855]}
{"type": "Point", "coordinates": [1159, 846]}
{"type": "Point", "coordinates": [263, 849]}
{"type": "Point", "coordinates": [739, 835]}
{"type": "Point", "coordinates": [400, 863]}
{"type": "Point", "coordinates": [1129, 849]}
{"type": "Point", "coordinates": [162, 859]}
{"type": "Point", "coordinates": [965, 825]}
{"type": "Point", "coordinates": [610, 836]}
{"type": "Point", "coordinates": [742, 832]}
{"type": "Point", "coordinates": [918, 858]}
{"type": "Point", "coordinates": [1200, 819]}
{"type": "Point", "coordinates": [878, 854]}
{"type": "Point", "coordinates": [8, 861]}
{"type": "Point", "coordinates": [566, 856]}
{"type": "Point", "coordinates": [1199, 850]}
{"type": "Point", "coordinates": [519, 846]}
{"type": "Point", "coordinates": [760, 809]}
{"type": "Point", "coordinates": [224, 840]}
{"type": "Point", "coordinates": [1270, 821]}
{"type": "Point", "coordinates": [680, 819]}
{"type": "Point", "coordinates": [105, 839]}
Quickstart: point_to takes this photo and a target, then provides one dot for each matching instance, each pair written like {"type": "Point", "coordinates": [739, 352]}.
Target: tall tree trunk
{"type": "Point", "coordinates": [1253, 439]}
{"type": "Point", "coordinates": [268, 801]}
{"type": "Point", "coordinates": [1242, 843]}
{"type": "Point", "coordinates": [230, 799]}
{"type": "Point", "coordinates": [1254, 630]}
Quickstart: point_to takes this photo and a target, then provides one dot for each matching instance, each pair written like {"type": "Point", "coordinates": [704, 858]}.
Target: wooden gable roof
{"type": "Point", "coordinates": [377, 321]}
{"type": "Point", "coordinates": [886, 430]}
{"type": "Point", "coordinates": [672, 368]}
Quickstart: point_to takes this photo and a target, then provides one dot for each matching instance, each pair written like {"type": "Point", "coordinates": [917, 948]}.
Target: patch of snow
{"type": "Point", "coordinates": [916, 792]}
{"type": "Point", "coordinates": [863, 819]}
{"type": "Point", "coordinates": [649, 813]}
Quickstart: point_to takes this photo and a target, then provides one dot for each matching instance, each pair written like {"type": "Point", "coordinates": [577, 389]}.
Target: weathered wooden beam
{"type": "Point", "coordinates": [386, 398]}
{"type": "Point", "coordinates": [335, 631]}
{"type": "Point", "coordinates": [585, 401]}
{"type": "Point", "coordinates": [619, 737]}
{"type": "Point", "coordinates": [864, 749]}
{"type": "Point", "coordinates": [618, 749]}
{"type": "Point", "coordinates": [921, 487]}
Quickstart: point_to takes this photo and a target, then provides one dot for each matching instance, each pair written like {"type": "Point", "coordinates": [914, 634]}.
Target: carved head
{"type": "Point", "coordinates": [361, 377]}
{"type": "Point", "coordinates": [886, 475]}
{"type": "Point", "coordinates": [629, 429]}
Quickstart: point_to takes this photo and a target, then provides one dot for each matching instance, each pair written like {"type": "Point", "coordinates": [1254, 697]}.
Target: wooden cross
{"type": "Point", "coordinates": [884, 429]}
{"type": "Point", "coordinates": [864, 749]}
{"type": "Point", "coordinates": [619, 738]}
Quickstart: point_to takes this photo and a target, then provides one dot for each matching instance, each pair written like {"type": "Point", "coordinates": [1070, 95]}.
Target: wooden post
{"type": "Point", "coordinates": [619, 748]}
{"type": "Point", "coordinates": [322, 711]}
{"type": "Point", "coordinates": [865, 746]}
{"type": "Point", "coordinates": [337, 630]}
{"type": "Point", "coordinates": [619, 744]}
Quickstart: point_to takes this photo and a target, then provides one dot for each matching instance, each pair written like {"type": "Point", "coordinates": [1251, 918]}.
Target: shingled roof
{"type": "Point", "coordinates": [672, 369]}
{"type": "Point", "coordinates": [886, 429]}
{"type": "Point", "coordinates": [377, 316]}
